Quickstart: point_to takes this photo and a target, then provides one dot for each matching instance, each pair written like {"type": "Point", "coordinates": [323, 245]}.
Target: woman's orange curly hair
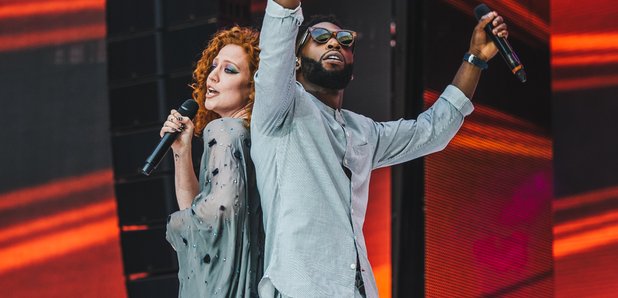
{"type": "Point", "coordinates": [245, 37]}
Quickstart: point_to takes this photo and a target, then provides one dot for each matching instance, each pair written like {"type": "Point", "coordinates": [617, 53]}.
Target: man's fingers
{"type": "Point", "coordinates": [497, 21]}
{"type": "Point", "coordinates": [501, 30]}
{"type": "Point", "coordinates": [486, 19]}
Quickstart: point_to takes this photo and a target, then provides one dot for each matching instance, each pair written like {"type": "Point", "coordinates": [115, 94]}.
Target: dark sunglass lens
{"type": "Point", "coordinates": [345, 38]}
{"type": "Point", "coordinates": [320, 35]}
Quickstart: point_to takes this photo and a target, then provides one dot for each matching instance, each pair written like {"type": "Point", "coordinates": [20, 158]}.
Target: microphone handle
{"type": "Point", "coordinates": [507, 53]}
{"type": "Point", "coordinates": [157, 155]}
{"type": "Point", "coordinates": [504, 48]}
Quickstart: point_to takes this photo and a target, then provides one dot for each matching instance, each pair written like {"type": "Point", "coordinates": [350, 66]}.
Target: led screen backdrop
{"type": "Point", "coordinates": [58, 226]}
{"type": "Point", "coordinates": [584, 47]}
{"type": "Point", "coordinates": [488, 194]}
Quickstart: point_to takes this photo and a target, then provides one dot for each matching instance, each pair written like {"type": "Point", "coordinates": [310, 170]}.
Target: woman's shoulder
{"type": "Point", "coordinates": [230, 124]}
{"type": "Point", "coordinates": [226, 129]}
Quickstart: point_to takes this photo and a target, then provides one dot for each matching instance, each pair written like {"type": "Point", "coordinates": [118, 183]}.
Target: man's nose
{"type": "Point", "coordinates": [333, 44]}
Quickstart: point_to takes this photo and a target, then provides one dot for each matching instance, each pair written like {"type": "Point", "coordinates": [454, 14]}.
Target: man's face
{"type": "Point", "coordinates": [328, 64]}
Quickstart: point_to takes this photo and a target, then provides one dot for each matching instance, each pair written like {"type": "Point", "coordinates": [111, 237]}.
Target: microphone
{"type": "Point", "coordinates": [188, 109]}
{"type": "Point", "coordinates": [505, 49]}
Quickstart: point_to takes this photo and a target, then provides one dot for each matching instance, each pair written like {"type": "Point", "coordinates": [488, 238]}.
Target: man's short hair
{"type": "Point", "coordinates": [314, 19]}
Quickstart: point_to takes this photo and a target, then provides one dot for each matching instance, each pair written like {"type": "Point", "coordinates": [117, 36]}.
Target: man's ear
{"type": "Point", "coordinates": [297, 63]}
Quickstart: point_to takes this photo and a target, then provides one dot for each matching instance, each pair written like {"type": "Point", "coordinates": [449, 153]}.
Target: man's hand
{"type": "Point", "coordinates": [480, 44]}
{"type": "Point", "coordinates": [289, 4]}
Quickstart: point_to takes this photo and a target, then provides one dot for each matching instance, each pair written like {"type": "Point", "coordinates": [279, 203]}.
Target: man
{"type": "Point", "coordinates": [313, 160]}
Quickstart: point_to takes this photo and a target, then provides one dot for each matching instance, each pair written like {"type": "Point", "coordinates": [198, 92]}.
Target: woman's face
{"type": "Point", "coordinates": [227, 85]}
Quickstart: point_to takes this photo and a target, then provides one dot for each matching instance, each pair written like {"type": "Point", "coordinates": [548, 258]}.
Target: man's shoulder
{"type": "Point", "coordinates": [356, 116]}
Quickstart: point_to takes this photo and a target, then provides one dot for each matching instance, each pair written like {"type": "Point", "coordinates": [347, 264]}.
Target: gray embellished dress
{"type": "Point", "coordinates": [219, 240]}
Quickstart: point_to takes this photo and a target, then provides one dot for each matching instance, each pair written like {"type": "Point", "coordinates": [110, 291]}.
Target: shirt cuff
{"type": "Point", "coordinates": [458, 99]}
{"type": "Point", "coordinates": [275, 10]}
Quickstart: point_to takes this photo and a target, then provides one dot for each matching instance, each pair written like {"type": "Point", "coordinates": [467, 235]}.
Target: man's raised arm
{"type": "Point", "coordinates": [289, 4]}
{"type": "Point", "coordinates": [276, 76]}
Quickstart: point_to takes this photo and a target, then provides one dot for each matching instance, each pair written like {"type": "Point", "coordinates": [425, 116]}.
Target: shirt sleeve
{"type": "Point", "coordinates": [275, 79]}
{"type": "Point", "coordinates": [403, 140]}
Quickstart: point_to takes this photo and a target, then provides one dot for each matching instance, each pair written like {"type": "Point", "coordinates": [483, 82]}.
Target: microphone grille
{"type": "Point", "coordinates": [188, 108]}
{"type": "Point", "coordinates": [481, 10]}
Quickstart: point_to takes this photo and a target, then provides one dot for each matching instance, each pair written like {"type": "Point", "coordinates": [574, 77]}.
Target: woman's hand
{"type": "Point", "coordinates": [176, 123]}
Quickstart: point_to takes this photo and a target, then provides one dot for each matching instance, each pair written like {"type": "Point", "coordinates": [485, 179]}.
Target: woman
{"type": "Point", "coordinates": [217, 233]}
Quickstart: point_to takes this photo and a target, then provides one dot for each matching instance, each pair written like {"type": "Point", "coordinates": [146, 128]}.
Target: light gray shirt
{"type": "Point", "coordinates": [314, 213]}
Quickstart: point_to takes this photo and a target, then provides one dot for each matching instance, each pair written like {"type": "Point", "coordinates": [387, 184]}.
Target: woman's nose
{"type": "Point", "coordinates": [213, 76]}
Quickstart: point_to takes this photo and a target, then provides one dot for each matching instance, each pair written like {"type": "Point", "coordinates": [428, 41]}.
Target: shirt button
{"type": "Point", "coordinates": [353, 266]}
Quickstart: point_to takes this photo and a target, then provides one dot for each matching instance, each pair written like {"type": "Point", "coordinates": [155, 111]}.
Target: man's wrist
{"type": "Point", "coordinates": [475, 60]}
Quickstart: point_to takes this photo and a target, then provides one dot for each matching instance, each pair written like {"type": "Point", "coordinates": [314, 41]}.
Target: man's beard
{"type": "Point", "coordinates": [315, 73]}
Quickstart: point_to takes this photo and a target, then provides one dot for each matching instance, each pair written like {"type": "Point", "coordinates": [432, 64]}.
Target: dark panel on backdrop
{"type": "Point", "coordinates": [131, 106]}
{"type": "Point", "coordinates": [145, 201]}
{"type": "Point", "coordinates": [130, 148]}
{"type": "Point", "coordinates": [183, 47]}
{"type": "Point", "coordinates": [182, 12]}
{"type": "Point", "coordinates": [132, 58]}
{"type": "Point", "coordinates": [159, 286]}
{"type": "Point", "coordinates": [178, 87]}
{"type": "Point", "coordinates": [408, 217]}
{"type": "Point", "coordinates": [147, 251]}
{"type": "Point", "coordinates": [125, 17]}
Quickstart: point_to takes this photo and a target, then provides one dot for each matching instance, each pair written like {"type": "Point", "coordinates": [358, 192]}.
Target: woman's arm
{"type": "Point", "coordinates": [187, 186]}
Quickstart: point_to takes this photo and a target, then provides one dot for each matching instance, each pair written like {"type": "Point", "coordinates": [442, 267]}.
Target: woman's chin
{"type": "Point", "coordinates": [208, 104]}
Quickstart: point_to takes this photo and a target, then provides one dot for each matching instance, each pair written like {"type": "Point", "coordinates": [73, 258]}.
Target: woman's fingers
{"type": "Point", "coordinates": [175, 115]}
{"type": "Point", "coordinates": [171, 127]}
{"type": "Point", "coordinates": [168, 129]}
{"type": "Point", "coordinates": [174, 123]}
{"type": "Point", "coordinates": [179, 119]}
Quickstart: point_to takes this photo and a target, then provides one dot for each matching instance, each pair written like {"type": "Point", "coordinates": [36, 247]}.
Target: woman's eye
{"type": "Point", "coordinates": [231, 69]}
{"type": "Point", "coordinates": [212, 67]}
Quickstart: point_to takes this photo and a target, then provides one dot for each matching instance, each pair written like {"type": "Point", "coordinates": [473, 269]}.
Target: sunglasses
{"type": "Point", "coordinates": [321, 35]}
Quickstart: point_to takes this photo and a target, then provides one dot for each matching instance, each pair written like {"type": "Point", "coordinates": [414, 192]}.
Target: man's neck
{"type": "Point", "coordinates": [330, 97]}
